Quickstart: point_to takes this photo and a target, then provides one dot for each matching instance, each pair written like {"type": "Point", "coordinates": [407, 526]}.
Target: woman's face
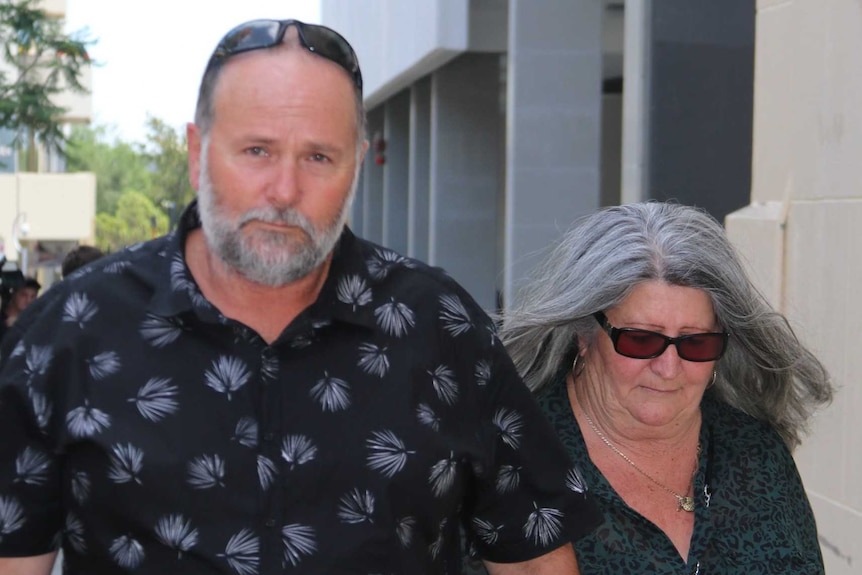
{"type": "Point", "coordinates": [663, 390]}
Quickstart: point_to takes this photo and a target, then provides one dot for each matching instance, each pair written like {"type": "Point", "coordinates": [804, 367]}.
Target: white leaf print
{"type": "Point", "coordinates": [127, 552]}
{"type": "Point", "coordinates": [543, 525]}
{"type": "Point", "coordinates": [443, 475]}
{"type": "Point", "coordinates": [159, 331]}
{"type": "Point", "coordinates": [269, 368]}
{"type": "Point", "coordinates": [227, 375]}
{"type": "Point", "coordinates": [241, 553]}
{"type": "Point", "coordinates": [437, 545]}
{"type": "Point", "coordinates": [454, 315]}
{"type": "Point", "coordinates": [80, 486]}
{"type": "Point", "coordinates": [179, 279]}
{"type": "Point", "coordinates": [426, 416]}
{"type": "Point", "coordinates": [486, 531]}
{"type": "Point", "coordinates": [265, 471]}
{"type": "Point", "coordinates": [575, 481]}
{"type": "Point", "coordinates": [297, 450]}
{"type": "Point", "coordinates": [79, 309]}
{"type": "Point", "coordinates": [508, 478]}
{"type": "Point", "coordinates": [42, 409]}
{"type": "Point", "coordinates": [11, 516]}
{"type": "Point", "coordinates": [388, 453]}
{"type": "Point", "coordinates": [509, 423]}
{"type": "Point", "coordinates": [74, 533]}
{"type": "Point", "coordinates": [382, 261]}
{"type": "Point", "coordinates": [156, 399]}
{"type": "Point", "coordinates": [444, 384]}
{"type": "Point", "coordinates": [395, 318]}
{"type": "Point", "coordinates": [37, 361]}
{"type": "Point", "coordinates": [126, 464]}
{"type": "Point", "coordinates": [373, 360]}
{"type": "Point", "coordinates": [482, 373]}
{"type": "Point", "coordinates": [357, 507]}
{"type": "Point", "coordinates": [18, 350]}
{"type": "Point", "coordinates": [353, 291]}
{"type": "Point", "coordinates": [331, 393]}
{"type": "Point", "coordinates": [298, 540]}
{"type": "Point", "coordinates": [206, 471]}
{"type": "Point", "coordinates": [404, 530]}
{"type": "Point", "coordinates": [117, 267]}
{"type": "Point", "coordinates": [104, 364]}
{"type": "Point", "coordinates": [86, 421]}
{"type": "Point", "coordinates": [176, 532]}
{"type": "Point", "coordinates": [31, 467]}
{"type": "Point", "coordinates": [246, 432]}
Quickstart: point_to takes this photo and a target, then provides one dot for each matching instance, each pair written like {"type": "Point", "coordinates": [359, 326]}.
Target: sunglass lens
{"type": "Point", "coordinates": [639, 344]}
{"type": "Point", "coordinates": [251, 36]}
{"type": "Point", "coordinates": [330, 45]}
{"type": "Point", "coordinates": [702, 347]}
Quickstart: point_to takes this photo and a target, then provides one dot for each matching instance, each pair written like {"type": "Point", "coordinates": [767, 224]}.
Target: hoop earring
{"type": "Point", "coordinates": [712, 381]}
{"type": "Point", "coordinates": [574, 371]}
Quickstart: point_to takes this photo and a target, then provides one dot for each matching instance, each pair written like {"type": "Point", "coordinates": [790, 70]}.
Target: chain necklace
{"type": "Point", "coordinates": [683, 502]}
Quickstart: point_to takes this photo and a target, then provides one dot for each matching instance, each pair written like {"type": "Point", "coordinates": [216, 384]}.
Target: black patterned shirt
{"type": "Point", "coordinates": [752, 516]}
{"type": "Point", "coordinates": [144, 431]}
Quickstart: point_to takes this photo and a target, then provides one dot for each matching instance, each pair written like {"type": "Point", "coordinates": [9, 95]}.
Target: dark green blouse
{"type": "Point", "coordinates": [752, 515]}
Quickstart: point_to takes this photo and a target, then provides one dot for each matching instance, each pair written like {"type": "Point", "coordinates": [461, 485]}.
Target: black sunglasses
{"type": "Point", "coordinates": [259, 34]}
{"type": "Point", "coordinates": [644, 344]}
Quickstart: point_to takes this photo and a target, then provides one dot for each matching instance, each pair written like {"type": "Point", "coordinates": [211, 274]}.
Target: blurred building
{"type": "Point", "coordinates": [495, 123]}
{"type": "Point", "coordinates": [46, 212]}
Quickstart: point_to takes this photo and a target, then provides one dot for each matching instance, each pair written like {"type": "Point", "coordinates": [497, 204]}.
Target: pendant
{"type": "Point", "coordinates": [686, 504]}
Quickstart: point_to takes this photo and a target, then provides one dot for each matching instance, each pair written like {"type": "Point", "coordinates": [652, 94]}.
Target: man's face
{"type": "Point", "coordinates": [23, 297]}
{"type": "Point", "coordinates": [276, 173]}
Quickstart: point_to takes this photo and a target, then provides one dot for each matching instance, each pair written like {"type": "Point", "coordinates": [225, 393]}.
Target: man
{"type": "Point", "coordinates": [79, 256]}
{"type": "Point", "coordinates": [22, 293]}
{"type": "Point", "coordinates": [263, 392]}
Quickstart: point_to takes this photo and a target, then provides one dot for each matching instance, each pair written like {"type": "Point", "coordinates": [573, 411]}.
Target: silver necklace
{"type": "Point", "coordinates": [683, 502]}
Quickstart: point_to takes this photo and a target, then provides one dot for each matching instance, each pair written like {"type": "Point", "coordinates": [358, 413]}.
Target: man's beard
{"type": "Point", "coordinates": [268, 257]}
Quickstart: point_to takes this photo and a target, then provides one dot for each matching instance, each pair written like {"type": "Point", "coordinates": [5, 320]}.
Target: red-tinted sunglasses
{"type": "Point", "coordinates": [644, 344]}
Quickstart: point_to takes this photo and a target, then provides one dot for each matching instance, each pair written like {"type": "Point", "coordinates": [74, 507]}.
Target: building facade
{"type": "Point", "coordinates": [494, 124]}
{"type": "Point", "coordinates": [46, 212]}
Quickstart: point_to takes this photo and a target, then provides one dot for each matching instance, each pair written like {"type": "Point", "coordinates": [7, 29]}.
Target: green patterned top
{"type": "Point", "coordinates": [752, 515]}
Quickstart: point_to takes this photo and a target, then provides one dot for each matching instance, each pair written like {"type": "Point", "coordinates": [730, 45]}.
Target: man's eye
{"type": "Point", "coordinates": [257, 151]}
{"type": "Point", "coordinates": [318, 158]}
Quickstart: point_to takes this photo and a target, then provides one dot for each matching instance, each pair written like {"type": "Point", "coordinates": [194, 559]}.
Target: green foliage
{"type": "Point", "coordinates": [167, 152]}
{"type": "Point", "coordinates": [136, 219]}
{"type": "Point", "coordinates": [139, 187]}
{"type": "Point", "coordinates": [119, 166]}
{"type": "Point", "coordinates": [46, 62]}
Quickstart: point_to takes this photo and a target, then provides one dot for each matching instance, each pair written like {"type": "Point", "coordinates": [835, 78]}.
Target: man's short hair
{"type": "Point", "coordinates": [78, 257]}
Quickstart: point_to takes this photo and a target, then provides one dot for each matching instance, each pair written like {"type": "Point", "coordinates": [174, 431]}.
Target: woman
{"type": "Point", "coordinates": [679, 392]}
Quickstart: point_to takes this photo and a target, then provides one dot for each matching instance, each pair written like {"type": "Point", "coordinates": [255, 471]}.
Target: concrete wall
{"type": "Point", "coordinates": [802, 235]}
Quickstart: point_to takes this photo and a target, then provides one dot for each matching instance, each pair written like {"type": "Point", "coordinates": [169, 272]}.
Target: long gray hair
{"type": "Point", "coordinates": [766, 372]}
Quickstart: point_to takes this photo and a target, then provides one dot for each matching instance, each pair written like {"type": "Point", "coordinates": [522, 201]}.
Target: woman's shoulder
{"type": "Point", "coordinates": [740, 436]}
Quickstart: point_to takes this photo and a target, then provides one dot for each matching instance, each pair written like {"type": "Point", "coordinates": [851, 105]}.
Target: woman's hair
{"type": "Point", "coordinates": [766, 372]}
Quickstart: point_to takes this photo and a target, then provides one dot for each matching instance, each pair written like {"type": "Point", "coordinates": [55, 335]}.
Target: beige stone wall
{"type": "Point", "coordinates": [802, 233]}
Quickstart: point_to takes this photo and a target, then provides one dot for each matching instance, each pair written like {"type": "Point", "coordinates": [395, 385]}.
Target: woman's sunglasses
{"type": "Point", "coordinates": [643, 344]}
{"type": "Point", "coordinates": [259, 34]}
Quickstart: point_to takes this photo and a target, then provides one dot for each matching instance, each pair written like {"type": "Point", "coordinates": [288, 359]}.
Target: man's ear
{"type": "Point", "coordinates": [362, 153]}
{"type": "Point", "coordinates": [193, 137]}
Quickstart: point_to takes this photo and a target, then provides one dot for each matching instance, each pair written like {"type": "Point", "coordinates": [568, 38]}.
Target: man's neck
{"type": "Point", "coordinates": [266, 309]}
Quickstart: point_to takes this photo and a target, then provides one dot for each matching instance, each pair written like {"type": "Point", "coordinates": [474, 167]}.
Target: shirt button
{"type": "Point", "coordinates": [268, 436]}
{"type": "Point", "coordinates": [269, 522]}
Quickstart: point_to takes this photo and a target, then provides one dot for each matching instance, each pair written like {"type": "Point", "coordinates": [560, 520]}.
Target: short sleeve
{"type": "Point", "coordinates": [30, 502]}
{"type": "Point", "coordinates": [532, 499]}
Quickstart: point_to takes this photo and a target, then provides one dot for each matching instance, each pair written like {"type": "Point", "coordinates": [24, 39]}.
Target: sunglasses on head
{"type": "Point", "coordinates": [644, 344]}
{"type": "Point", "coordinates": [259, 34]}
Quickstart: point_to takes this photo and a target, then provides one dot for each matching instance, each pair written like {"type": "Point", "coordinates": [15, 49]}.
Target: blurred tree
{"type": "Point", "coordinates": [136, 219]}
{"type": "Point", "coordinates": [167, 152]}
{"type": "Point", "coordinates": [119, 166]}
{"type": "Point", "coordinates": [45, 62]}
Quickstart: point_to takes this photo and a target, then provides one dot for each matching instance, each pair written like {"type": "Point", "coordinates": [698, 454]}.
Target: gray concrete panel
{"type": "Point", "coordinates": [395, 181]}
{"type": "Point", "coordinates": [372, 205]}
{"type": "Point", "coordinates": [553, 138]}
{"type": "Point", "coordinates": [465, 172]}
{"type": "Point", "coordinates": [418, 186]}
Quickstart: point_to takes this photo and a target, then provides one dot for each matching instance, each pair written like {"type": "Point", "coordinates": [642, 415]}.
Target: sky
{"type": "Point", "coordinates": [150, 54]}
